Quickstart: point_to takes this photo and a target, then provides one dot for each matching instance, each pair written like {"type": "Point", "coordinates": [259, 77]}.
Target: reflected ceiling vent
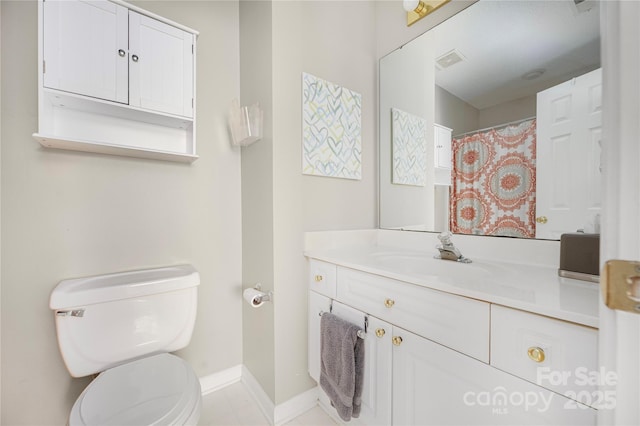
{"type": "Point", "coordinates": [450, 58]}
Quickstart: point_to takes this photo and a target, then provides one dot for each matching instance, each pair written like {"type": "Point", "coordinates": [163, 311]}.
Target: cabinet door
{"type": "Point", "coordinates": [376, 388]}
{"type": "Point", "coordinates": [85, 48]}
{"type": "Point", "coordinates": [442, 147]}
{"type": "Point", "coordinates": [317, 305]}
{"type": "Point", "coordinates": [442, 155]}
{"type": "Point", "coordinates": [376, 391]}
{"type": "Point", "coordinates": [434, 385]}
{"type": "Point", "coordinates": [161, 66]}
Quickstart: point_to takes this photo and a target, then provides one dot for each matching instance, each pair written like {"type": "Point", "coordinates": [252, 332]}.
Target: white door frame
{"type": "Point", "coordinates": [619, 347]}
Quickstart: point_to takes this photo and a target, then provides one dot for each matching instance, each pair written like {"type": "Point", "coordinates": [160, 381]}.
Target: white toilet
{"type": "Point", "coordinates": [123, 326]}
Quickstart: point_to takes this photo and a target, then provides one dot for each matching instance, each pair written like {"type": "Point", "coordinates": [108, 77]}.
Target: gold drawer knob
{"type": "Point", "coordinates": [380, 332]}
{"type": "Point", "coordinates": [319, 278]}
{"type": "Point", "coordinates": [541, 219]}
{"type": "Point", "coordinates": [397, 340]}
{"type": "Point", "coordinates": [389, 303]}
{"type": "Point", "coordinates": [536, 354]}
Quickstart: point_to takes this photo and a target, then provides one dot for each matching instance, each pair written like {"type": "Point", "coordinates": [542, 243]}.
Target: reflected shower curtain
{"type": "Point", "coordinates": [494, 182]}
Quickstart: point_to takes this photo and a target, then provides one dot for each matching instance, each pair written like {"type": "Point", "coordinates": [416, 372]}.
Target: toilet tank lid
{"type": "Point", "coordinates": [122, 285]}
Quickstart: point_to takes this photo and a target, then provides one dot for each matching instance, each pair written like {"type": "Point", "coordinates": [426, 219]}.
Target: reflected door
{"type": "Point", "coordinates": [568, 181]}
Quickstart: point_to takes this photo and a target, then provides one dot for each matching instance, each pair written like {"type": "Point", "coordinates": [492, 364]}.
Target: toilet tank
{"type": "Point", "coordinates": [107, 320]}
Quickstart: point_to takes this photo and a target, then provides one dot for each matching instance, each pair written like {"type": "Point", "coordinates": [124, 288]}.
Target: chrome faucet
{"type": "Point", "coordinates": [448, 251]}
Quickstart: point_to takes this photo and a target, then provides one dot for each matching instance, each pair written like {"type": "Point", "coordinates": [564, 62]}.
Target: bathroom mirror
{"type": "Point", "coordinates": [490, 122]}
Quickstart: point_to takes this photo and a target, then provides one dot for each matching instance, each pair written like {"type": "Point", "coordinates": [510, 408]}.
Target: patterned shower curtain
{"type": "Point", "coordinates": [494, 181]}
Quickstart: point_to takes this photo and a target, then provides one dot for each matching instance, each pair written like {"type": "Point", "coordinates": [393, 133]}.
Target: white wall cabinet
{"type": "Point", "coordinates": [81, 46]}
{"type": "Point", "coordinates": [161, 67]}
{"type": "Point", "coordinates": [442, 154]}
{"type": "Point", "coordinates": [414, 380]}
{"type": "Point", "coordinates": [115, 79]}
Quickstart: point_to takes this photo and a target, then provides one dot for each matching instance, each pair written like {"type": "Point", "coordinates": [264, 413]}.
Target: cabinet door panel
{"type": "Point", "coordinates": [317, 304]}
{"type": "Point", "coordinates": [82, 40]}
{"type": "Point", "coordinates": [433, 385]}
{"type": "Point", "coordinates": [376, 390]}
{"type": "Point", "coordinates": [161, 66]}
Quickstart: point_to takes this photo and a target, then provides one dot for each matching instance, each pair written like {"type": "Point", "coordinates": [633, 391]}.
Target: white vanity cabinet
{"type": "Point", "coordinates": [427, 356]}
{"type": "Point", "coordinates": [434, 385]}
{"type": "Point", "coordinates": [115, 79]}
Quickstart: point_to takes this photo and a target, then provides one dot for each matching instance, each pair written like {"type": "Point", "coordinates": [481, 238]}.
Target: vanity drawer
{"type": "Point", "coordinates": [322, 277]}
{"type": "Point", "coordinates": [453, 321]}
{"type": "Point", "coordinates": [558, 355]}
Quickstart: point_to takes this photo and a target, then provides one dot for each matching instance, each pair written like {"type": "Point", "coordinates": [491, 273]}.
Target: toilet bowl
{"type": "Point", "coordinates": [123, 326]}
{"type": "Point", "coordinates": [161, 389]}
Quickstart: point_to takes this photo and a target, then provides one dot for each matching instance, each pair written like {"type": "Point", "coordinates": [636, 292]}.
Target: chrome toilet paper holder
{"type": "Point", "coordinates": [265, 297]}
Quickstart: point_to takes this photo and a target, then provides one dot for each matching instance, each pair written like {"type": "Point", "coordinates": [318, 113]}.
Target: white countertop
{"type": "Point", "coordinates": [531, 288]}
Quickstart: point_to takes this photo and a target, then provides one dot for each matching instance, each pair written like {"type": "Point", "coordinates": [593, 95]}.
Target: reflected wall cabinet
{"type": "Point", "coordinates": [115, 79]}
{"type": "Point", "coordinates": [442, 154]}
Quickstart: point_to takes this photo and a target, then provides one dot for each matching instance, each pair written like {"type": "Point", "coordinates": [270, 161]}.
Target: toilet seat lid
{"type": "Point", "coordinates": [161, 389]}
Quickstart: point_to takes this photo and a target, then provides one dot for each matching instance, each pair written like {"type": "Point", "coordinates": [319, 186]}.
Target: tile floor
{"type": "Point", "coordinates": [234, 406]}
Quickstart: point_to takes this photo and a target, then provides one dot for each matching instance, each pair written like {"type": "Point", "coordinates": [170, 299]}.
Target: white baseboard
{"type": "Point", "coordinates": [276, 415]}
{"type": "Point", "coordinates": [221, 379]}
{"type": "Point", "coordinates": [259, 395]}
{"type": "Point", "coordinates": [295, 406]}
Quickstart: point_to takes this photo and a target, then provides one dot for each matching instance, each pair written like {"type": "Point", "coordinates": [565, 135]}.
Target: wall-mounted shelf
{"type": "Point", "coordinates": [112, 149]}
{"type": "Point", "coordinates": [59, 99]}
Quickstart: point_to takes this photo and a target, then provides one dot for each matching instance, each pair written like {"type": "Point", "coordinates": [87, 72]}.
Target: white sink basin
{"type": "Point", "coordinates": [425, 264]}
{"type": "Point", "coordinates": [478, 275]}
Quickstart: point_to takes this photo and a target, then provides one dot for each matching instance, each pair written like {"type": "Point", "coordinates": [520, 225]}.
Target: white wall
{"type": "Point", "coordinates": [334, 41]}
{"type": "Point", "coordinates": [68, 214]}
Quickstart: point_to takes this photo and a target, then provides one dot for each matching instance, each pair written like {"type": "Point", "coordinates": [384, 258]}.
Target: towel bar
{"type": "Point", "coordinates": [361, 333]}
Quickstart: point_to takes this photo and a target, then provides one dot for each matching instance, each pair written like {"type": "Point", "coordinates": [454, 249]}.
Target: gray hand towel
{"type": "Point", "coordinates": [342, 365]}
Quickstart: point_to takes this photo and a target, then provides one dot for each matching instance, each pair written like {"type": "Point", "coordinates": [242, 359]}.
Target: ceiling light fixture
{"type": "Point", "coordinates": [418, 9]}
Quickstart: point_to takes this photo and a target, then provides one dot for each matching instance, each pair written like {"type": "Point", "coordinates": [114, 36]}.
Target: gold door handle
{"type": "Point", "coordinates": [380, 332]}
{"type": "Point", "coordinates": [536, 354]}
{"type": "Point", "coordinates": [318, 278]}
{"type": "Point", "coordinates": [620, 282]}
{"type": "Point", "coordinates": [389, 303]}
{"type": "Point", "coordinates": [397, 340]}
{"type": "Point", "coordinates": [541, 219]}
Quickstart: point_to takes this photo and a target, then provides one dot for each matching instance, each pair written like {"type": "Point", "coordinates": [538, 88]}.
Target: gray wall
{"type": "Point", "coordinates": [280, 41]}
{"type": "Point", "coordinates": [68, 214]}
{"type": "Point", "coordinates": [454, 113]}
{"type": "Point", "coordinates": [507, 112]}
{"type": "Point", "coordinates": [334, 41]}
{"type": "Point", "coordinates": [411, 206]}
{"type": "Point", "coordinates": [257, 192]}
